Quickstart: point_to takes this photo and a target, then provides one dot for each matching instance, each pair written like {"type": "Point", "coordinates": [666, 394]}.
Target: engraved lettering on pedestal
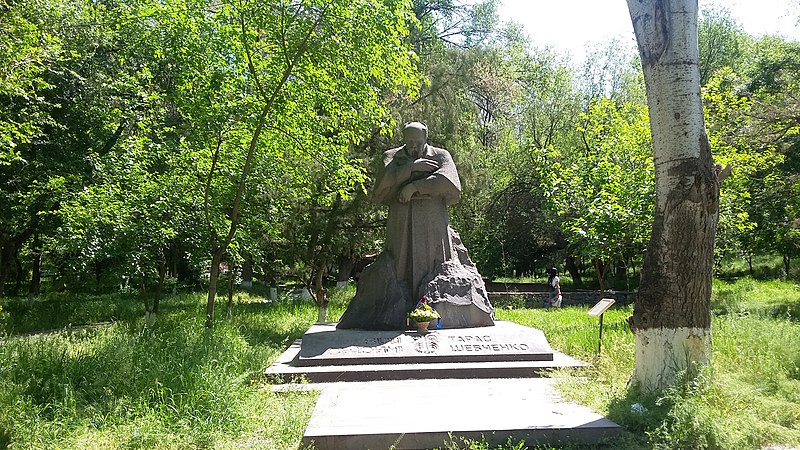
{"type": "Point", "coordinates": [471, 338]}
{"type": "Point", "coordinates": [381, 341]}
{"type": "Point", "coordinates": [426, 344]}
{"type": "Point", "coordinates": [478, 346]}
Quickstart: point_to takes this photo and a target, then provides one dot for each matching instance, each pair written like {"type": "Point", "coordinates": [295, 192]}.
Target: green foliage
{"type": "Point", "coordinates": [126, 131]}
{"type": "Point", "coordinates": [754, 174]}
{"type": "Point", "coordinates": [67, 91]}
{"type": "Point", "coordinates": [171, 127]}
{"type": "Point", "coordinates": [604, 194]}
{"type": "Point", "coordinates": [752, 125]}
{"type": "Point", "coordinates": [723, 43]}
{"type": "Point", "coordinates": [20, 80]}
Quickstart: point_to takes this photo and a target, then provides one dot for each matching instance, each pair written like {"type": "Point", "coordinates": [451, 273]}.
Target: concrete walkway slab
{"type": "Point", "coordinates": [393, 414]}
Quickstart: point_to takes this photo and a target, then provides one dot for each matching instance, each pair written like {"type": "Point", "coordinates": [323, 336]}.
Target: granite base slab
{"type": "Point", "coordinates": [387, 414]}
{"type": "Point", "coordinates": [329, 359]}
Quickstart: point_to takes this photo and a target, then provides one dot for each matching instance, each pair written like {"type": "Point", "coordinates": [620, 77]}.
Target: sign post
{"type": "Point", "coordinates": [598, 310]}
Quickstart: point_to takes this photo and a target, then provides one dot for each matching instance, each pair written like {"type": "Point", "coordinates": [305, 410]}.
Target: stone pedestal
{"type": "Point", "coordinates": [485, 382]}
{"type": "Point", "coordinates": [325, 345]}
{"type": "Point", "coordinates": [505, 350]}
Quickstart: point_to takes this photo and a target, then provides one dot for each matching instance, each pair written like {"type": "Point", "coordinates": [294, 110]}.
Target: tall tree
{"type": "Point", "coordinates": [65, 94]}
{"type": "Point", "coordinates": [604, 194]}
{"type": "Point", "coordinates": [672, 317]}
{"type": "Point", "coordinates": [773, 87]}
{"type": "Point", "coordinates": [312, 76]}
{"type": "Point", "coordinates": [722, 42]}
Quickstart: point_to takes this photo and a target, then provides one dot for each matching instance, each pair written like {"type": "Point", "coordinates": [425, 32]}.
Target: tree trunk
{"type": "Point", "coordinates": [346, 265]}
{"type": "Point", "coordinates": [149, 317]}
{"type": "Point", "coordinates": [672, 318]}
{"type": "Point", "coordinates": [98, 276]}
{"type": "Point", "coordinates": [322, 313]}
{"type": "Point", "coordinates": [247, 271]}
{"type": "Point", "coordinates": [269, 102]}
{"type": "Point", "coordinates": [213, 279]}
{"type": "Point", "coordinates": [572, 268]}
{"type": "Point", "coordinates": [621, 270]}
{"type": "Point", "coordinates": [162, 274]}
{"type": "Point", "coordinates": [9, 248]}
{"type": "Point", "coordinates": [219, 250]}
{"type": "Point", "coordinates": [36, 276]}
{"type": "Point", "coordinates": [786, 264]}
{"type": "Point", "coordinates": [6, 254]}
{"type": "Point", "coordinates": [229, 306]}
{"type": "Point", "coordinates": [601, 269]}
{"type": "Point", "coordinates": [19, 275]}
{"type": "Point", "coordinates": [273, 291]}
{"type": "Point", "coordinates": [320, 293]}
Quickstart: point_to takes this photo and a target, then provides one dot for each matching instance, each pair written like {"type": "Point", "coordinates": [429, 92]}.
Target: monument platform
{"type": "Point", "coordinates": [326, 354]}
{"type": "Point", "coordinates": [389, 414]}
{"type": "Point", "coordinates": [479, 384]}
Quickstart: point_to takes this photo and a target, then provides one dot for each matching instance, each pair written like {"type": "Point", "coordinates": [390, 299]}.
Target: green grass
{"type": "Point", "coordinates": [84, 372]}
{"type": "Point", "coordinates": [116, 384]}
{"type": "Point", "coordinates": [748, 398]}
{"type": "Point", "coordinates": [765, 267]}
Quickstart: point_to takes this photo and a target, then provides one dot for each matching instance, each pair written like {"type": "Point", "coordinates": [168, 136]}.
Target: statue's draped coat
{"type": "Point", "coordinates": [417, 235]}
{"type": "Point", "coordinates": [423, 256]}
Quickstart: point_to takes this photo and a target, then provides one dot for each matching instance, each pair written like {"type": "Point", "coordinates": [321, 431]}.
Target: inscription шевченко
{"type": "Point", "coordinates": [487, 347]}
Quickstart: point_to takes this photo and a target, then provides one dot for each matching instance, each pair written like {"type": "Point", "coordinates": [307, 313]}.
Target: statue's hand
{"type": "Point", "coordinates": [425, 165]}
{"type": "Point", "coordinates": [407, 192]}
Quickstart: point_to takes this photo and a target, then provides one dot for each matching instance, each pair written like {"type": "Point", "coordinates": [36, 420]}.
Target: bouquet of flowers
{"type": "Point", "coordinates": [423, 312]}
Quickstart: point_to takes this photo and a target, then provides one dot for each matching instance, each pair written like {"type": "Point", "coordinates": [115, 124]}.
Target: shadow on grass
{"type": "Point", "coordinates": [58, 311]}
{"type": "Point", "coordinates": [787, 309]}
{"type": "Point", "coordinates": [784, 310]}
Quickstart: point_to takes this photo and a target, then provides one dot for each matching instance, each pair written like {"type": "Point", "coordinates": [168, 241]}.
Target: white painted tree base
{"type": "Point", "coordinates": [322, 314]}
{"type": "Point", "coordinates": [150, 319]}
{"type": "Point", "coordinates": [273, 294]}
{"type": "Point", "coordinates": [662, 353]}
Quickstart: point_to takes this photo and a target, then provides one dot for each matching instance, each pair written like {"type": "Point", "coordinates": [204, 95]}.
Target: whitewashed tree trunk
{"type": "Point", "coordinates": [672, 316]}
{"type": "Point", "coordinates": [319, 293]}
{"type": "Point", "coordinates": [322, 314]}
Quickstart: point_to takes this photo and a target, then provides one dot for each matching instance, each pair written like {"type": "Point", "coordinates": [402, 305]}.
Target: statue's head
{"type": "Point", "coordinates": [415, 136]}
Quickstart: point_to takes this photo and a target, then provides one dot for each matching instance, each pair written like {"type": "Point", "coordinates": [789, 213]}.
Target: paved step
{"type": "Point", "coordinates": [394, 414]}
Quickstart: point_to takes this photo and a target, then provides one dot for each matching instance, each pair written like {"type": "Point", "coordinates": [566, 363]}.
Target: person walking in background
{"type": "Point", "coordinates": [554, 299]}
